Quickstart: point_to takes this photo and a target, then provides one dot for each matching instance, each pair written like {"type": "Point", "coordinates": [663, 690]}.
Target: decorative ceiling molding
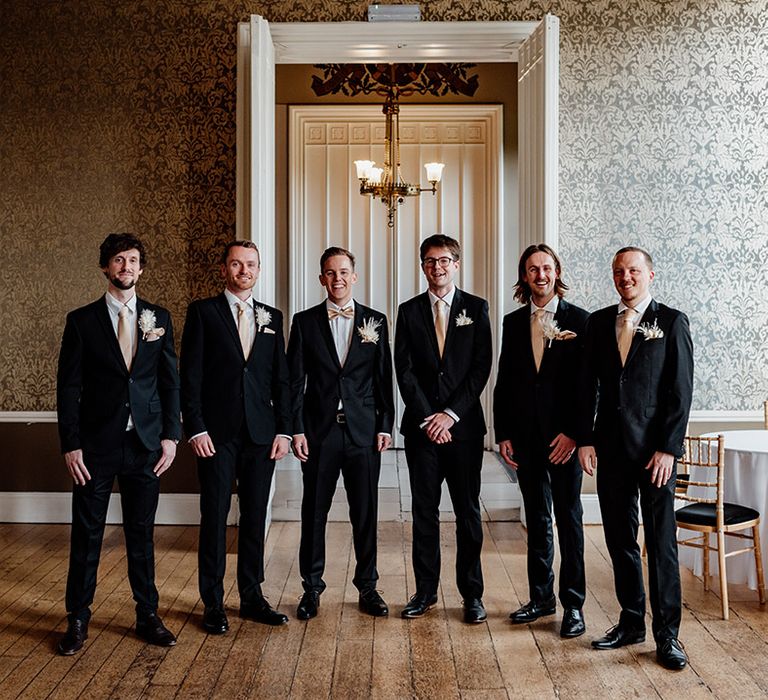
{"type": "Point", "coordinates": [399, 42]}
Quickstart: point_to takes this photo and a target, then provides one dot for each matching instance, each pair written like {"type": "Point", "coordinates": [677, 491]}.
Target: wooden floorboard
{"type": "Point", "coordinates": [343, 653]}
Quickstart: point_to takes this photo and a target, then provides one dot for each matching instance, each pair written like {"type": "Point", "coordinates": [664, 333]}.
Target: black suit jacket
{"type": "Point", "coordinates": [527, 403]}
{"type": "Point", "coordinates": [96, 393]}
{"type": "Point", "coordinates": [318, 381]}
{"type": "Point", "coordinates": [642, 407]}
{"type": "Point", "coordinates": [429, 383]}
{"type": "Point", "coordinates": [220, 389]}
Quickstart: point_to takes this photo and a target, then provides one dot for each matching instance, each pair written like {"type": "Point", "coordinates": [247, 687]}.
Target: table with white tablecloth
{"type": "Point", "coordinates": [745, 483]}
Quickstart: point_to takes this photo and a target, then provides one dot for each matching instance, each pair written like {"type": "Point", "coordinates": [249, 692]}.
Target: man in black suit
{"type": "Point", "coordinates": [341, 386]}
{"type": "Point", "coordinates": [534, 405]}
{"type": "Point", "coordinates": [236, 408]}
{"type": "Point", "coordinates": [637, 387]}
{"type": "Point", "coordinates": [442, 359]}
{"type": "Point", "coordinates": [118, 409]}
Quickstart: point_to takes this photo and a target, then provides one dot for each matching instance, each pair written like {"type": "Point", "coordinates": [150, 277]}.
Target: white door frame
{"type": "Point", "coordinates": [393, 42]}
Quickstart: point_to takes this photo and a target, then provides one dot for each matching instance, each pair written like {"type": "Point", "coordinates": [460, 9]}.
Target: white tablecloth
{"type": "Point", "coordinates": [746, 484]}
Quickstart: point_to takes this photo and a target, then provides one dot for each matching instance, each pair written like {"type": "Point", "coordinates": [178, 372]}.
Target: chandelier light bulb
{"type": "Point", "coordinates": [363, 166]}
{"type": "Point", "coordinates": [434, 171]}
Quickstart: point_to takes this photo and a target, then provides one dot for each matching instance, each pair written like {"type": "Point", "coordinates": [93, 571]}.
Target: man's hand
{"type": "Point", "coordinates": [202, 445]}
{"type": "Point", "coordinates": [76, 467]}
{"type": "Point", "coordinates": [562, 449]}
{"type": "Point", "coordinates": [383, 442]}
{"type": "Point", "coordinates": [281, 446]}
{"type": "Point", "coordinates": [438, 427]}
{"type": "Point", "coordinates": [588, 459]}
{"type": "Point", "coordinates": [506, 452]}
{"type": "Point", "coordinates": [166, 459]}
{"type": "Point", "coordinates": [300, 447]}
{"type": "Point", "coordinates": [661, 465]}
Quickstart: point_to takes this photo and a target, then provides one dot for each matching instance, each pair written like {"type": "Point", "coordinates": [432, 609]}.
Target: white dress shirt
{"type": "Point", "coordinates": [113, 308]}
{"type": "Point", "coordinates": [550, 308]}
{"type": "Point", "coordinates": [640, 308]}
{"type": "Point", "coordinates": [235, 302]}
{"type": "Point", "coordinates": [341, 329]}
{"type": "Point", "coordinates": [448, 299]}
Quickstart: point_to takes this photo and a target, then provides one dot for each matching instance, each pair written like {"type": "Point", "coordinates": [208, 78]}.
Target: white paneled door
{"type": "Point", "coordinates": [327, 209]}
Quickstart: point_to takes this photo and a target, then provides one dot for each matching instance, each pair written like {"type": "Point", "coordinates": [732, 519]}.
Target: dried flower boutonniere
{"type": "Point", "coordinates": [651, 332]}
{"type": "Point", "coordinates": [263, 319]}
{"type": "Point", "coordinates": [551, 331]}
{"type": "Point", "coordinates": [463, 320]}
{"type": "Point", "coordinates": [148, 326]}
{"type": "Point", "coordinates": [369, 331]}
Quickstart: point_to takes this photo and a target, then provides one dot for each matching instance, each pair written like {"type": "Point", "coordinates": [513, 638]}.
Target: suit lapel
{"type": "Point", "coordinates": [222, 306]}
{"type": "Point", "coordinates": [354, 343]}
{"type": "Point", "coordinates": [429, 324]}
{"type": "Point", "coordinates": [638, 338]}
{"type": "Point", "coordinates": [102, 313]}
{"type": "Point", "coordinates": [140, 306]}
{"type": "Point", "coordinates": [324, 325]}
{"type": "Point", "coordinates": [456, 308]}
{"type": "Point", "coordinates": [560, 319]}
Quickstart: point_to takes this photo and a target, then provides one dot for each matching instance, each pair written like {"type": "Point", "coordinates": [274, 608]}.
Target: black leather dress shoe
{"type": "Point", "coordinates": [308, 605]}
{"type": "Point", "coordinates": [671, 655]}
{"type": "Point", "coordinates": [418, 605]}
{"type": "Point", "coordinates": [371, 603]}
{"type": "Point", "coordinates": [619, 636]}
{"type": "Point", "coordinates": [474, 612]}
{"type": "Point", "coordinates": [151, 629]}
{"type": "Point", "coordinates": [532, 611]}
{"type": "Point", "coordinates": [215, 620]}
{"type": "Point", "coordinates": [573, 623]}
{"type": "Point", "coordinates": [73, 639]}
{"type": "Point", "coordinates": [261, 611]}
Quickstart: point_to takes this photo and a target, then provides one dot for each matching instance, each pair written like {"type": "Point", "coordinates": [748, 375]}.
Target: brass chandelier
{"type": "Point", "coordinates": [387, 183]}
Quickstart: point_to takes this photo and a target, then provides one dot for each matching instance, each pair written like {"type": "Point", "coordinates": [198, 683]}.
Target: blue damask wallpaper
{"type": "Point", "coordinates": [664, 143]}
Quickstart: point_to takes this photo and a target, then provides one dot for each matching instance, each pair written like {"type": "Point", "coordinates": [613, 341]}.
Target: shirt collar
{"type": "Point", "coordinates": [330, 305]}
{"type": "Point", "coordinates": [550, 306]}
{"type": "Point", "coordinates": [640, 307]}
{"type": "Point", "coordinates": [448, 298]}
{"type": "Point", "coordinates": [115, 304]}
{"type": "Point", "coordinates": [234, 299]}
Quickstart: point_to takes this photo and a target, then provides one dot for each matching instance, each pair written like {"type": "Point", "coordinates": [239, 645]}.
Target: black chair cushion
{"type": "Point", "coordinates": [704, 514]}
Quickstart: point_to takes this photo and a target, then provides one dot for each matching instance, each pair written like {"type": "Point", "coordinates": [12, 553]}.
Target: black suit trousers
{"type": "Point", "coordinates": [132, 464]}
{"type": "Point", "coordinates": [619, 480]}
{"type": "Point", "coordinates": [248, 463]}
{"type": "Point", "coordinates": [545, 488]}
{"type": "Point", "coordinates": [360, 466]}
{"type": "Point", "coordinates": [458, 463]}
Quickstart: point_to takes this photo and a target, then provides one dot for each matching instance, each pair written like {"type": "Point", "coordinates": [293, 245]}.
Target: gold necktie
{"type": "Point", "coordinates": [440, 325]}
{"type": "Point", "coordinates": [244, 330]}
{"type": "Point", "coordinates": [347, 312]}
{"type": "Point", "coordinates": [124, 336]}
{"type": "Point", "coordinates": [626, 331]}
{"type": "Point", "coordinates": [537, 336]}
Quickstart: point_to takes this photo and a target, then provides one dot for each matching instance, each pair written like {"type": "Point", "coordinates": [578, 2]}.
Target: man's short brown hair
{"type": "Point", "coordinates": [333, 251]}
{"type": "Point", "coordinates": [439, 240]}
{"type": "Point", "coordinates": [239, 244]}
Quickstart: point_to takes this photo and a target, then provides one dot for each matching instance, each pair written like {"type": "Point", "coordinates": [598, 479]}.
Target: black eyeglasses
{"type": "Point", "coordinates": [433, 262]}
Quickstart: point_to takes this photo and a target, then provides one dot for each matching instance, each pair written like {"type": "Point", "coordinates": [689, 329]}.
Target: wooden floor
{"type": "Point", "coordinates": [342, 653]}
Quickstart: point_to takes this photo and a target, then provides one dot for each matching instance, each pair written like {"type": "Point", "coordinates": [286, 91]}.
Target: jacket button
{"type": "Point", "coordinates": [245, 370]}
{"type": "Point", "coordinates": [130, 381]}
{"type": "Point", "coordinates": [127, 405]}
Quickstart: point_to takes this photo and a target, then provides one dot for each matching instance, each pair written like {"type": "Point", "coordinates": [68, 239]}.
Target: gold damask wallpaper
{"type": "Point", "coordinates": [121, 116]}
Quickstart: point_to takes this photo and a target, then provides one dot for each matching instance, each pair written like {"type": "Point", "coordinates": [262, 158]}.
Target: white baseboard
{"type": "Point", "coordinates": [591, 507]}
{"type": "Point", "coordinates": [31, 507]}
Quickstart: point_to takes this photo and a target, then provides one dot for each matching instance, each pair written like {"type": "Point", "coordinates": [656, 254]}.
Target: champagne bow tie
{"type": "Point", "coordinates": [347, 312]}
